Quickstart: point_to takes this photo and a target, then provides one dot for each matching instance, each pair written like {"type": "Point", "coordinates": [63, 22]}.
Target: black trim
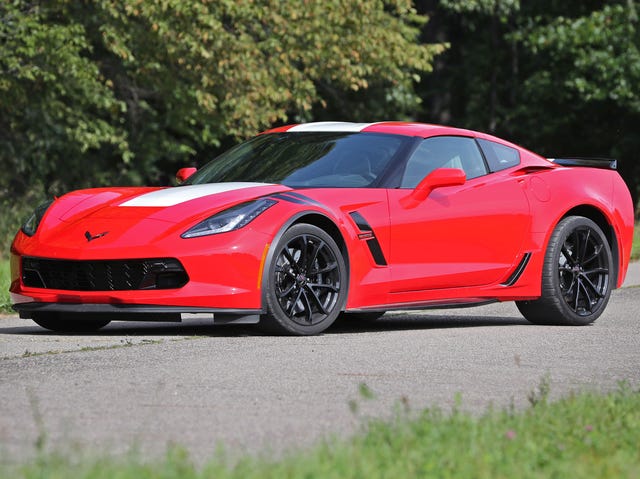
{"type": "Point", "coordinates": [372, 242]}
{"type": "Point", "coordinates": [131, 312]}
{"type": "Point", "coordinates": [603, 163]}
{"type": "Point", "coordinates": [431, 304]}
{"type": "Point", "coordinates": [360, 221]}
{"type": "Point", "coordinates": [515, 276]}
{"type": "Point", "coordinates": [376, 252]}
{"type": "Point", "coordinates": [297, 198]}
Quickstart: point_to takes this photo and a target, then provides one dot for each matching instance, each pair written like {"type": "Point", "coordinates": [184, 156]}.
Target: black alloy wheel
{"type": "Point", "coordinates": [576, 277]}
{"type": "Point", "coordinates": [306, 282]}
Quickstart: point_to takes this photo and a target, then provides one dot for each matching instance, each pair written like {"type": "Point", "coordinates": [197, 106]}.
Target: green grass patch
{"type": "Point", "coordinates": [585, 435]}
{"type": "Point", "coordinates": [635, 249]}
{"type": "Point", "coordinates": [5, 277]}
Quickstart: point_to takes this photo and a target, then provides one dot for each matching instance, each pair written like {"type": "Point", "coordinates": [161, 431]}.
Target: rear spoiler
{"type": "Point", "coordinates": [604, 163]}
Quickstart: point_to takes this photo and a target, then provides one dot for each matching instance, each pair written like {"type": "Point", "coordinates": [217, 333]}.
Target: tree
{"type": "Point", "coordinates": [561, 78]}
{"type": "Point", "coordinates": [592, 76]}
{"type": "Point", "coordinates": [126, 91]}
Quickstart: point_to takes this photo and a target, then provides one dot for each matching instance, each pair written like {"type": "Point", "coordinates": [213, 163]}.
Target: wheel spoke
{"type": "Point", "coordinates": [327, 268]}
{"type": "Point", "coordinates": [582, 252]}
{"type": "Point", "coordinates": [290, 259]}
{"type": "Point", "coordinates": [596, 271]}
{"type": "Point", "coordinates": [577, 297]}
{"type": "Point", "coordinates": [330, 287]}
{"type": "Point", "coordinates": [306, 304]}
{"type": "Point", "coordinates": [316, 299]}
{"type": "Point", "coordinates": [287, 292]}
{"type": "Point", "coordinates": [567, 255]}
{"type": "Point", "coordinates": [570, 293]}
{"type": "Point", "coordinates": [592, 286]}
{"type": "Point", "coordinates": [595, 255]}
{"type": "Point", "coordinates": [589, 300]}
{"type": "Point", "coordinates": [291, 311]}
{"type": "Point", "coordinates": [304, 252]}
{"type": "Point", "coordinates": [311, 259]}
{"type": "Point", "coordinates": [280, 270]}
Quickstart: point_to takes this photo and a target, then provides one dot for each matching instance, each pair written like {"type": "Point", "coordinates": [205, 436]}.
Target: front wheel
{"type": "Point", "coordinates": [53, 322]}
{"type": "Point", "coordinates": [576, 276]}
{"type": "Point", "coordinates": [306, 283]}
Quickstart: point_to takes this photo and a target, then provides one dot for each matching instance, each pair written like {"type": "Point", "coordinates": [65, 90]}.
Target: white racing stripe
{"type": "Point", "coordinates": [330, 126]}
{"type": "Point", "coordinates": [180, 194]}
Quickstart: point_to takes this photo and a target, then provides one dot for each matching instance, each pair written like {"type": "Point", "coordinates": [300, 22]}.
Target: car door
{"type": "Point", "coordinates": [458, 236]}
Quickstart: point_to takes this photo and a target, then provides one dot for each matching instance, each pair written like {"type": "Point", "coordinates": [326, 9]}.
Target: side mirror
{"type": "Point", "coordinates": [436, 179]}
{"type": "Point", "coordinates": [184, 173]}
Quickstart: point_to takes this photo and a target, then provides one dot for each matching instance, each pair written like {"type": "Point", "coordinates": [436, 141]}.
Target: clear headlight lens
{"type": "Point", "coordinates": [31, 225]}
{"type": "Point", "coordinates": [231, 219]}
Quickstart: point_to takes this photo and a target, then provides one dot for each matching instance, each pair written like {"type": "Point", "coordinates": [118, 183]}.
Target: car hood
{"type": "Point", "coordinates": [174, 205]}
{"type": "Point", "coordinates": [140, 214]}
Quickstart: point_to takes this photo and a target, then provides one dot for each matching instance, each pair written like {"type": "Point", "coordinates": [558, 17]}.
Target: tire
{"type": "Point", "coordinates": [306, 283]}
{"type": "Point", "coordinates": [53, 322]}
{"type": "Point", "coordinates": [576, 276]}
{"type": "Point", "coordinates": [361, 317]}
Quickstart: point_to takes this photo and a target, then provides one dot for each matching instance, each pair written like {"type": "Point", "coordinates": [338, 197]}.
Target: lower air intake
{"type": "Point", "coordinates": [107, 275]}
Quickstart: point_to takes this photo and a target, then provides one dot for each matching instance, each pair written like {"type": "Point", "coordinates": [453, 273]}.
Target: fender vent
{"type": "Point", "coordinates": [369, 235]}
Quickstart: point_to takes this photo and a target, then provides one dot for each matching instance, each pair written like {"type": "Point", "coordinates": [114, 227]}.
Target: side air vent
{"type": "Point", "coordinates": [515, 276]}
{"type": "Point", "coordinates": [367, 234]}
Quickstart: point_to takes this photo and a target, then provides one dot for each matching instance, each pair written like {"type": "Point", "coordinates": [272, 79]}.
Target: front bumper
{"type": "Point", "coordinates": [224, 272]}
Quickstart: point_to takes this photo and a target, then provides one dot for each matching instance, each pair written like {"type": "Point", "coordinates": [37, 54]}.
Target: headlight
{"type": "Point", "coordinates": [231, 219]}
{"type": "Point", "coordinates": [31, 225]}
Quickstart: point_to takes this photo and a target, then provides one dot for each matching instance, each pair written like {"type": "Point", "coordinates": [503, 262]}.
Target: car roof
{"type": "Point", "coordinates": [423, 130]}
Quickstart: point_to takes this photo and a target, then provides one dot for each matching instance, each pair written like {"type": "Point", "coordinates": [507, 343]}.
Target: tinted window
{"type": "Point", "coordinates": [443, 152]}
{"type": "Point", "coordinates": [316, 159]}
{"type": "Point", "coordinates": [499, 156]}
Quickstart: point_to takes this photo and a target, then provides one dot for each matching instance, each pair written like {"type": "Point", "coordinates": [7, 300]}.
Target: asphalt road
{"type": "Point", "coordinates": [152, 385]}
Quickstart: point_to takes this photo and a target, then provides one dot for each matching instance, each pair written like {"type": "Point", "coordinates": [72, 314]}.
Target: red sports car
{"type": "Point", "coordinates": [307, 222]}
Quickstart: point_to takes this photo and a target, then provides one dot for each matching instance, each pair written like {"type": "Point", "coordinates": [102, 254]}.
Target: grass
{"type": "Point", "coordinates": [635, 249]}
{"type": "Point", "coordinates": [585, 435]}
{"type": "Point", "coordinates": [5, 303]}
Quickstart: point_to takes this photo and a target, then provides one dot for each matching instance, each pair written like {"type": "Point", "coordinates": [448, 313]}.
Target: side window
{"type": "Point", "coordinates": [499, 157]}
{"type": "Point", "coordinates": [443, 152]}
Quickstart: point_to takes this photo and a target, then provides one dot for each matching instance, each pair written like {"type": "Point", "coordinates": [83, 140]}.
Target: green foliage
{"type": "Point", "coordinates": [55, 106]}
{"type": "Point", "coordinates": [121, 92]}
{"type": "Point", "coordinates": [582, 436]}
{"type": "Point", "coordinates": [491, 7]}
{"type": "Point", "coordinates": [128, 89]}
{"type": "Point", "coordinates": [562, 78]}
{"type": "Point", "coordinates": [601, 50]}
{"type": "Point", "coordinates": [5, 280]}
{"type": "Point", "coordinates": [635, 249]}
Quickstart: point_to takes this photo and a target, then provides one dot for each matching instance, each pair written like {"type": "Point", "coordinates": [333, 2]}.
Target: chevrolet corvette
{"type": "Point", "coordinates": [306, 223]}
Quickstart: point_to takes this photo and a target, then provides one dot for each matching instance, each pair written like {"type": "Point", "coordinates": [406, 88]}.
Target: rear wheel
{"type": "Point", "coordinates": [53, 322]}
{"type": "Point", "coordinates": [307, 281]}
{"type": "Point", "coordinates": [576, 276]}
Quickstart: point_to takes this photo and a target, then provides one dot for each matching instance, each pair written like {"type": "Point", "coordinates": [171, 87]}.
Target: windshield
{"type": "Point", "coordinates": [299, 160]}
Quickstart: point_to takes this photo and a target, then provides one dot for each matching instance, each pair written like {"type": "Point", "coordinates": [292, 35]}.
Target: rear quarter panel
{"type": "Point", "coordinates": [553, 193]}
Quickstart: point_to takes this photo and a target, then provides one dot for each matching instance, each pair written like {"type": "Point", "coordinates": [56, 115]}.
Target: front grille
{"type": "Point", "coordinates": [106, 275]}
